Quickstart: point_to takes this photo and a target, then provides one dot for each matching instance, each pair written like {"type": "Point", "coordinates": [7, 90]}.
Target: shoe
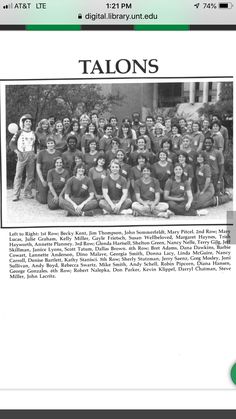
{"type": "Point", "coordinates": [88, 213]}
{"type": "Point", "coordinates": [202, 212]}
{"type": "Point", "coordinates": [170, 212]}
{"type": "Point", "coordinates": [28, 196]}
{"type": "Point", "coordinates": [16, 198]}
{"type": "Point", "coordinates": [163, 215]}
{"type": "Point", "coordinates": [68, 214]}
{"type": "Point", "coordinates": [126, 212]}
{"type": "Point", "coordinates": [105, 212]}
{"type": "Point", "coordinates": [230, 195]}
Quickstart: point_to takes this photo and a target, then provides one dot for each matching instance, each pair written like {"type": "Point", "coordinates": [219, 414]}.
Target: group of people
{"type": "Point", "coordinates": [86, 166]}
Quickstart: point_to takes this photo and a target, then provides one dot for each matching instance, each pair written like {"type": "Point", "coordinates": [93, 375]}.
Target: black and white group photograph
{"type": "Point", "coordinates": [117, 154]}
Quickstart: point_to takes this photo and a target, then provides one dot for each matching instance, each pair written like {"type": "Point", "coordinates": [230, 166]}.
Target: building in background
{"type": "Point", "coordinates": [151, 98]}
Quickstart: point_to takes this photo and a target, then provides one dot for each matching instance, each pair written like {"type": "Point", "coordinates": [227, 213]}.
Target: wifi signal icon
{"type": "Point", "coordinates": [8, 6]}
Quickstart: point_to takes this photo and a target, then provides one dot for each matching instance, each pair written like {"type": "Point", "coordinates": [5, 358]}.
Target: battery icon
{"type": "Point", "coordinates": [225, 5]}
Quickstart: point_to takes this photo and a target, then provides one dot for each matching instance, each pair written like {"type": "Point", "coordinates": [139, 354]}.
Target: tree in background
{"type": "Point", "coordinates": [224, 110]}
{"type": "Point", "coordinates": [42, 101]}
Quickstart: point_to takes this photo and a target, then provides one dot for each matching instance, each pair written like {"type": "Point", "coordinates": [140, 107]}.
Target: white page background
{"type": "Point", "coordinates": [170, 337]}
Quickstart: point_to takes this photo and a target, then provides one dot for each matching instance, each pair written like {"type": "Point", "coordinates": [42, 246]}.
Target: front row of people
{"type": "Point", "coordinates": [108, 192]}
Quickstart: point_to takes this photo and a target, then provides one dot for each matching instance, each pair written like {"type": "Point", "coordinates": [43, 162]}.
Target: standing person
{"type": "Point", "coordinates": [66, 125]}
{"type": "Point", "coordinates": [143, 132]}
{"type": "Point", "coordinates": [168, 126]}
{"type": "Point", "coordinates": [23, 143]}
{"type": "Point", "coordinates": [197, 137]}
{"type": "Point", "coordinates": [42, 132]}
{"type": "Point", "coordinates": [113, 121]}
{"type": "Point", "coordinates": [94, 118]}
{"type": "Point", "coordinates": [59, 137]}
{"type": "Point", "coordinates": [166, 146]}
{"type": "Point", "coordinates": [127, 120]}
{"type": "Point", "coordinates": [206, 128]}
{"type": "Point", "coordinates": [178, 194]}
{"type": "Point", "coordinates": [216, 163]}
{"type": "Point", "coordinates": [125, 137]}
{"type": "Point", "coordinates": [101, 124]}
{"type": "Point", "coordinates": [147, 194]}
{"type": "Point", "coordinates": [217, 136]}
{"type": "Point", "coordinates": [175, 137]}
{"type": "Point", "coordinates": [223, 131]}
{"type": "Point", "coordinates": [115, 192]}
{"type": "Point", "coordinates": [141, 149]}
{"type": "Point", "coordinates": [136, 121]}
{"type": "Point", "coordinates": [79, 194]}
{"type": "Point", "coordinates": [186, 146]}
{"type": "Point", "coordinates": [97, 174]}
{"type": "Point", "coordinates": [75, 131]}
{"type": "Point", "coordinates": [158, 138]}
{"type": "Point", "coordinates": [51, 121]}
{"type": "Point", "coordinates": [90, 158]}
{"type": "Point", "coordinates": [105, 141]}
{"type": "Point", "coordinates": [90, 134]}
{"type": "Point", "coordinates": [183, 126]}
{"type": "Point", "coordinates": [188, 173]}
{"type": "Point", "coordinates": [56, 180]}
{"type": "Point", "coordinates": [45, 162]}
{"type": "Point", "coordinates": [162, 169]}
{"type": "Point", "coordinates": [69, 155]}
{"type": "Point", "coordinates": [205, 189]}
{"type": "Point", "coordinates": [111, 154]}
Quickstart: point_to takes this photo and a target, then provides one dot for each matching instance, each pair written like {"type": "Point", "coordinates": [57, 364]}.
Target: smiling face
{"type": "Point", "coordinates": [91, 128]}
{"type": "Point", "coordinates": [92, 146]}
{"type": "Point", "coordinates": [186, 142]}
{"type": "Point", "coordinates": [166, 146]}
{"type": "Point", "coordinates": [162, 156]}
{"type": "Point", "coordinates": [195, 127]}
{"type": "Point", "coordinates": [58, 164]}
{"type": "Point", "coordinates": [208, 144]}
{"type": "Point", "coordinates": [215, 128]}
{"type": "Point", "coordinates": [72, 144]}
{"type": "Point", "coordinates": [120, 156]}
{"type": "Point", "coordinates": [45, 126]}
{"type": "Point", "coordinates": [108, 131]}
{"type": "Point", "coordinates": [59, 127]}
{"type": "Point", "coordinates": [75, 127]}
{"type": "Point", "coordinates": [142, 130]}
{"type": "Point", "coordinates": [174, 130]}
{"type": "Point", "coordinates": [182, 123]}
{"type": "Point", "coordinates": [50, 144]}
{"type": "Point", "coordinates": [181, 159]}
{"type": "Point", "coordinates": [101, 161]}
{"type": "Point", "coordinates": [141, 161]}
{"type": "Point", "coordinates": [200, 159]}
{"type": "Point", "coordinates": [78, 160]}
{"type": "Point", "coordinates": [178, 171]}
{"type": "Point", "coordinates": [80, 171]}
{"type": "Point", "coordinates": [141, 144]}
{"type": "Point", "coordinates": [115, 168]}
{"type": "Point", "coordinates": [205, 124]}
{"type": "Point", "coordinates": [27, 124]}
{"type": "Point", "coordinates": [66, 122]}
{"type": "Point", "coordinates": [146, 173]}
{"type": "Point", "coordinates": [113, 122]}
